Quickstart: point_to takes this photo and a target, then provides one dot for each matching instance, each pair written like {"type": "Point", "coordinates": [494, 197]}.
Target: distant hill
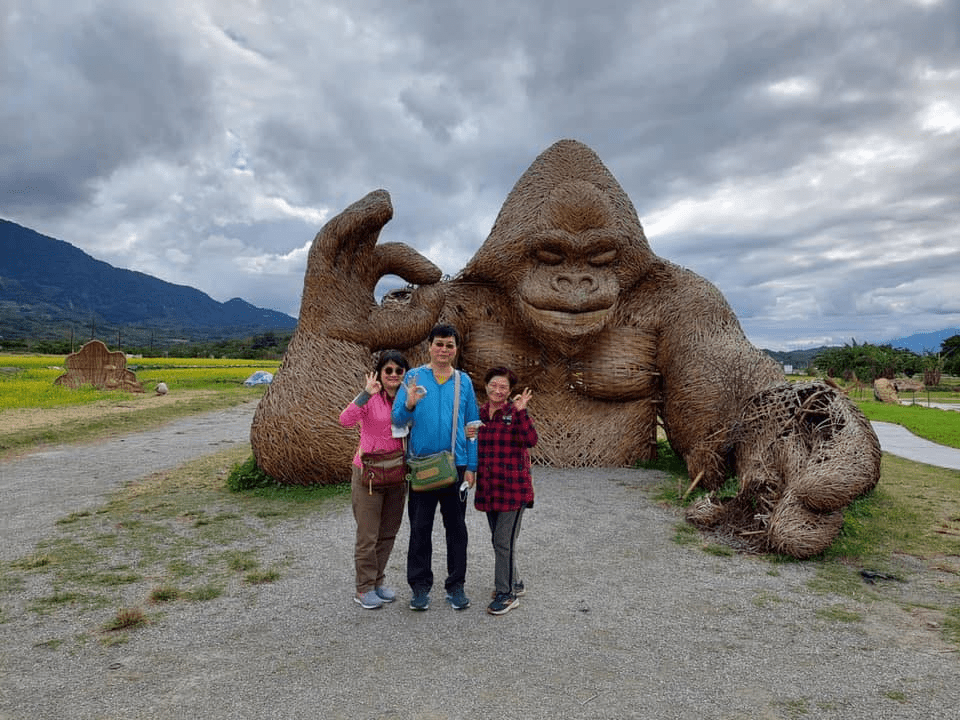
{"type": "Point", "coordinates": [798, 359]}
{"type": "Point", "coordinates": [918, 343]}
{"type": "Point", "coordinates": [922, 342]}
{"type": "Point", "coordinates": [48, 286]}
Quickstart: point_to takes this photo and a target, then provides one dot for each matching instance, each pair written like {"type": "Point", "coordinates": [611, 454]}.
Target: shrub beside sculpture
{"type": "Point", "coordinates": [611, 338]}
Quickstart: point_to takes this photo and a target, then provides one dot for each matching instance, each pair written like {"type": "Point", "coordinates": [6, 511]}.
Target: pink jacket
{"type": "Point", "coordinates": [374, 419]}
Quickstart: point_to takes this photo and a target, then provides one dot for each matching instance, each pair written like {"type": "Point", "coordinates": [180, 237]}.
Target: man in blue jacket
{"type": "Point", "coordinates": [425, 403]}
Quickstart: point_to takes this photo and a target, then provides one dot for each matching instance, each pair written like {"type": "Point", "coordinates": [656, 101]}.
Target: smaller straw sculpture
{"type": "Point", "coordinates": [94, 364]}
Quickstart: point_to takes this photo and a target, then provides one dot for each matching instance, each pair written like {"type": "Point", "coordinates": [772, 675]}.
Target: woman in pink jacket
{"type": "Point", "coordinates": [378, 511]}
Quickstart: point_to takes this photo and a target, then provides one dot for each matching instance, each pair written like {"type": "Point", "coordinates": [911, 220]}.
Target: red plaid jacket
{"type": "Point", "coordinates": [503, 462]}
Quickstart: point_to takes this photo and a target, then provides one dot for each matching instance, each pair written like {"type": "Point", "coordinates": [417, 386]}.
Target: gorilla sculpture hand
{"type": "Point", "coordinates": [610, 337]}
{"type": "Point", "coordinates": [295, 434]}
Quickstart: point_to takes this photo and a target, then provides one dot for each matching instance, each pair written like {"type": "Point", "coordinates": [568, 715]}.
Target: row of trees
{"type": "Point", "coordinates": [869, 362]}
{"type": "Point", "coordinates": [266, 346]}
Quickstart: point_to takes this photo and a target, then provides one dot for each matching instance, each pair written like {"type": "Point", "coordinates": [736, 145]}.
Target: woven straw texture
{"type": "Point", "coordinates": [611, 339]}
{"type": "Point", "coordinates": [803, 453]}
{"type": "Point", "coordinates": [94, 364]}
{"type": "Point", "coordinates": [296, 435]}
{"type": "Point", "coordinates": [885, 391]}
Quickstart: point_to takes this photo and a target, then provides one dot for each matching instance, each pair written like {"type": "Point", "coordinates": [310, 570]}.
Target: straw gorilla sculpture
{"type": "Point", "coordinates": [609, 336]}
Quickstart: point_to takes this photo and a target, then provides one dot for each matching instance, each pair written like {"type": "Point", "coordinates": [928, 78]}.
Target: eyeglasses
{"type": "Point", "coordinates": [393, 371]}
{"type": "Point", "coordinates": [498, 386]}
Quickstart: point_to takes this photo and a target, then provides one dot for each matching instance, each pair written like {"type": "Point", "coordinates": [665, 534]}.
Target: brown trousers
{"type": "Point", "coordinates": [378, 519]}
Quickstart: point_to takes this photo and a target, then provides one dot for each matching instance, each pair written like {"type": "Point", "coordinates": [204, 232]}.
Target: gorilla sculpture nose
{"type": "Point", "coordinates": [583, 283]}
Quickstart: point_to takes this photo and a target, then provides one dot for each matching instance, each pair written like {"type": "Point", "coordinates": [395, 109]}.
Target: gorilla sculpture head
{"type": "Point", "coordinates": [567, 244]}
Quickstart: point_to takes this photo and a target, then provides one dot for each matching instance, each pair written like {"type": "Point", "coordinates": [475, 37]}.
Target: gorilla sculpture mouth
{"type": "Point", "coordinates": [574, 321]}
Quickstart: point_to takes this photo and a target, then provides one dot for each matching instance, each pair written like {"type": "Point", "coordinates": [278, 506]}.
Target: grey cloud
{"type": "Point", "coordinates": [271, 236]}
{"type": "Point", "coordinates": [446, 104]}
{"type": "Point", "coordinates": [118, 89]}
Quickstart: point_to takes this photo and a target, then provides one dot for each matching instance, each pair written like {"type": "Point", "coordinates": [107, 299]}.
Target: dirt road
{"type": "Point", "coordinates": [45, 485]}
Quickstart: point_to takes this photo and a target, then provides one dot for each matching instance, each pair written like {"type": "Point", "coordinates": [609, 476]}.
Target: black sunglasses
{"type": "Point", "coordinates": [393, 371]}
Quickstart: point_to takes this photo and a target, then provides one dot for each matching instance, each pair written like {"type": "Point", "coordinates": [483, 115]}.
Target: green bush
{"type": "Point", "coordinates": [247, 476]}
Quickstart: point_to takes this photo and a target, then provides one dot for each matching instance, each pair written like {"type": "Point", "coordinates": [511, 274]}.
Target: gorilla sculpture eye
{"type": "Point", "coordinates": [603, 258]}
{"type": "Point", "coordinates": [550, 257]}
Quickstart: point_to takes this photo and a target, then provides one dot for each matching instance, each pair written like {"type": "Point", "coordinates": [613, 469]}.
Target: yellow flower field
{"type": "Point", "coordinates": [27, 381]}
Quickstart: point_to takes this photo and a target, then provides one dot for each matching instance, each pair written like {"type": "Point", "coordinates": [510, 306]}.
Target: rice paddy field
{"type": "Point", "coordinates": [27, 381]}
{"type": "Point", "coordinates": [34, 411]}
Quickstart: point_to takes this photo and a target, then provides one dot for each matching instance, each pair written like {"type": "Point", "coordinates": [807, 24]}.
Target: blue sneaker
{"type": "Point", "coordinates": [420, 601]}
{"type": "Point", "coordinates": [384, 593]}
{"type": "Point", "coordinates": [502, 604]}
{"type": "Point", "coordinates": [368, 600]}
{"type": "Point", "coordinates": [518, 590]}
{"type": "Point", "coordinates": [457, 600]}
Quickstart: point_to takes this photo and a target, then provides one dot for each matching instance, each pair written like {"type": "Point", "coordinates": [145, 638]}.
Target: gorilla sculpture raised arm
{"type": "Point", "coordinates": [610, 337]}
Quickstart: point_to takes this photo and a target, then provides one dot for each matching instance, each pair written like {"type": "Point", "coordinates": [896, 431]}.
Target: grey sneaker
{"type": "Point", "coordinates": [368, 600]}
{"type": "Point", "coordinates": [420, 601]}
{"type": "Point", "coordinates": [457, 599]}
{"type": "Point", "coordinates": [502, 603]}
{"type": "Point", "coordinates": [384, 593]}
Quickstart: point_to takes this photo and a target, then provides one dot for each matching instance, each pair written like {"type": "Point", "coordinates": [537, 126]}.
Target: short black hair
{"type": "Point", "coordinates": [444, 331]}
{"type": "Point", "coordinates": [394, 356]}
{"type": "Point", "coordinates": [501, 370]}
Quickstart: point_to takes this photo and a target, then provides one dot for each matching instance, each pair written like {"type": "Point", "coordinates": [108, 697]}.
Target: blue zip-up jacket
{"type": "Point", "coordinates": [430, 420]}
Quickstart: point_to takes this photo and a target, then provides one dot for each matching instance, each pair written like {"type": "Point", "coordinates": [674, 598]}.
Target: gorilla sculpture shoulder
{"type": "Point", "coordinates": [566, 291]}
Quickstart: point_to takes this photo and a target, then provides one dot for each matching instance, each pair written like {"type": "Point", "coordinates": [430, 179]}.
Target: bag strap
{"type": "Point", "coordinates": [456, 410]}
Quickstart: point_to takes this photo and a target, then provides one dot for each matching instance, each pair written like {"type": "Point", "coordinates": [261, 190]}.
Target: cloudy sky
{"type": "Point", "coordinates": [801, 155]}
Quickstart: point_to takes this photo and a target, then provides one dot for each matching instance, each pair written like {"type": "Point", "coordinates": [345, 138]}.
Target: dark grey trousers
{"type": "Point", "coordinates": [504, 530]}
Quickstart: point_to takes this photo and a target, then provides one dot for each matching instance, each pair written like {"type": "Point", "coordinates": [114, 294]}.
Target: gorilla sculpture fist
{"type": "Point", "coordinates": [611, 338]}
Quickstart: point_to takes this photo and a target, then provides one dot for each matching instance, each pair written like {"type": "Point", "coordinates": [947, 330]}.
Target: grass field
{"type": "Point", "coordinates": [931, 423]}
{"type": "Point", "coordinates": [34, 411]}
{"type": "Point", "coordinates": [27, 381]}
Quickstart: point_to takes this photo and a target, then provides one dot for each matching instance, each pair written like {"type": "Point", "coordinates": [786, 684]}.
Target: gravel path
{"type": "Point", "coordinates": [81, 476]}
{"type": "Point", "coordinates": [619, 620]}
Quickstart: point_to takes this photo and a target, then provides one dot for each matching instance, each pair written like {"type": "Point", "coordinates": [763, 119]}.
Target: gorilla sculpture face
{"type": "Point", "coordinates": [570, 287]}
{"type": "Point", "coordinates": [575, 263]}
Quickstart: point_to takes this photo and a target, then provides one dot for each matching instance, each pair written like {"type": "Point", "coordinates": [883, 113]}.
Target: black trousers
{"type": "Point", "coordinates": [421, 510]}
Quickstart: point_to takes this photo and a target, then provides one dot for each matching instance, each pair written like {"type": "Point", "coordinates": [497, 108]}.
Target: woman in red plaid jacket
{"type": "Point", "coordinates": [504, 485]}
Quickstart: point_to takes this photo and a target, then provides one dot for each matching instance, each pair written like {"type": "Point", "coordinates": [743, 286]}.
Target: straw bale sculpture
{"type": "Point", "coordinates": [94, 364]}
{"type": "Point", "coordinates": [885, 391]}
{"type": "Point", "coordinates": [610, 337]}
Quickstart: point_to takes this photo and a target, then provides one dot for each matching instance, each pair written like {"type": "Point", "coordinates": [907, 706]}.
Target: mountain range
{"type": "Point", "coordinates": [919, 343]}
{"type": "Point", "coordinates": [924, 342]}
{"type": "Point", "coordinates": [49, 288]}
